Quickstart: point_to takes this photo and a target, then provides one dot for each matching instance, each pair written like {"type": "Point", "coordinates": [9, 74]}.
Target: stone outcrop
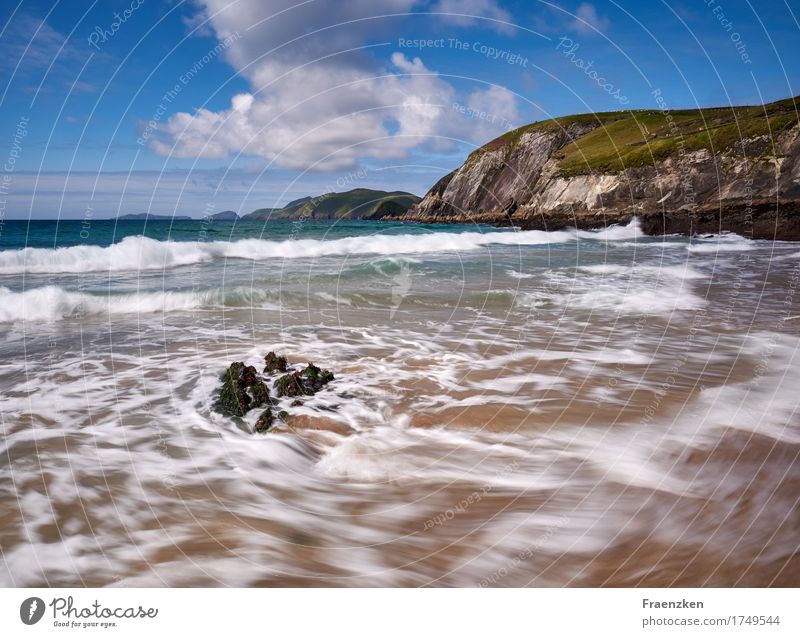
{"type": "Point", "coordinates": [274, 364]}
{"type": "Point", "coordinates": [303, 383]}
{"type": "Point", "coordinates": [243, 389]}
{"type": "Point", "coordinates": [715, 170]}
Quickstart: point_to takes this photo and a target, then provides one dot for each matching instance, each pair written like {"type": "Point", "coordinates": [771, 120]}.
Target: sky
{"type": "Point", "coordinates": [196, 106]}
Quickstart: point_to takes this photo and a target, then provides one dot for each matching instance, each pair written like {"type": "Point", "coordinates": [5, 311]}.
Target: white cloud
{"type": "Point", "coordinates": [493, 111]}
{"type": "Point", "coordinates": [469, 12]}
{"type": "Point", "coordinates": [318, 96]}
{"type": "Point", "coordinates": [31, 42]}
{"type": "Point", "coordinates": [588, 21]}
{"type": "Point", "coordinates": [33, 51]}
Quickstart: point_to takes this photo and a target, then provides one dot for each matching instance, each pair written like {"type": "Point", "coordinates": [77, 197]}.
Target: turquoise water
{"type": "Point", "coordinates": [510, 408]}
{"type": "Point", "coordinates": [54, 234]}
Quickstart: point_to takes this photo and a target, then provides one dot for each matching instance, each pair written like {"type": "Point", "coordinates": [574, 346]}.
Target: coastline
{"type": "Point", "coordinates": [495, 397]}
{"type": "Point", "coordinates": [761, 219]}
{"type": "Point", "coordinates": [708, 175]}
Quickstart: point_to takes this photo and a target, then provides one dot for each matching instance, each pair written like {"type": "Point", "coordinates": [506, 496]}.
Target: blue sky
{"type": "Point", "coordinates": [254, 103]}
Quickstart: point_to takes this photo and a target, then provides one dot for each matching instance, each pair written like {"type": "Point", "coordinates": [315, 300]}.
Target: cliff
{"type": "Point", "coordinates": [685, 171]}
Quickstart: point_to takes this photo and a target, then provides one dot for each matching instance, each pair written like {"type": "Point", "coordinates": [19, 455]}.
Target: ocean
{"type": "Point", "coordinates": [510, 408]}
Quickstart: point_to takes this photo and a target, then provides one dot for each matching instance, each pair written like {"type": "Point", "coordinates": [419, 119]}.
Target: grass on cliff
{"type": "Point", "coordinates": [626, 139]}
{"type": "Point", "coordinates": [354, 204]}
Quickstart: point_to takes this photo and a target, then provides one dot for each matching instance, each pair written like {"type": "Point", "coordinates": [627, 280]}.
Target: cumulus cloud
{"type": "Point", "coordinates": [468, 12]}
{"type": "Point", "coordinates": [319, 95]}
{"type": "Point", "coordinates": [493, 110]}
{"type": "Point", "coordinates": [588, 21]}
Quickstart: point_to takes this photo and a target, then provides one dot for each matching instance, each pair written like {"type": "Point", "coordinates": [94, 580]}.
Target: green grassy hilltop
{"type": "Point", "coordinates": [625, 139]}
{"type": "Point", "coordinates": [360, 203]}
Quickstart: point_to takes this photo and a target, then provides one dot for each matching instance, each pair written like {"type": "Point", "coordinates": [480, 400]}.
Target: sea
{"type": "Point", "coordinates": [510, 408]}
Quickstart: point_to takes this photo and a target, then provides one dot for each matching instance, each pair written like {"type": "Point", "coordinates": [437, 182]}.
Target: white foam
{"type": "Point", "coordinates": [518, 275]}
{"type": "Point", "coordinates": [723, 243]}
{"type": "Point", "coordinates": [632, 230]}
{"type": "Point", "coordinates": [325, 296]}
{"type": "Point", "coordinates": [786, 257]}
{"type": "Point", "coordinates": [143, 253]}
{"type": "Point", "coordinates": [664, 299]}
{"type": "Point", "coordinates": [52, 303]}
{"type": "Point", "coordinates": [657, 271]}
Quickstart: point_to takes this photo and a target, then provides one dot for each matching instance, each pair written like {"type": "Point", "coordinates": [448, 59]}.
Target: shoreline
{"type": "Point", "coordinates": [754, 220]}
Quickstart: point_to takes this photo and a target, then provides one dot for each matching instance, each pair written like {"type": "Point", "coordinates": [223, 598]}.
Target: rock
{"type": "Point", "coordinates": [315, 378]}
{"type": "Point", "coordinates": [260, 394]}
{"type": "Point", "coordinates": [275, 364]}
{"type": "Point", "coordinates": [265, 421]}
{"type": "Point", "coordinates": [742, 175]}
{"type": "Point", "coordinates": [289, 385]}
{"type": "Point", "coordinates": [242, 390]}
{"type": "Point", "coordinates": [303, 383]}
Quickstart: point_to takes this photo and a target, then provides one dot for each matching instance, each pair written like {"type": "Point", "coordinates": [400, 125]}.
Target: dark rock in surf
{"type": "Point", "coordinates": [274, 364]}
{"type": "Point", "coordinates": [289, 385]}
{"type": "Point", "coordinates": [265, 421]}
{"type": "Point", "coordinates": [306, 382]}
{"type": "Point", "coordinates": [242, 390]}
{"type": "Point", "coordinates": [315, 378]}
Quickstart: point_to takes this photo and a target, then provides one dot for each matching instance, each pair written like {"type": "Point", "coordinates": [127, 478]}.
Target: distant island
{"type": "Point", "coordinates": [225, 215]}
{"type": "Point", "coordinates": [360, 203]}
{"type": "Point", "coordinates": [357, 204]}
{"type": "Point", "coordinates": [146, 216]}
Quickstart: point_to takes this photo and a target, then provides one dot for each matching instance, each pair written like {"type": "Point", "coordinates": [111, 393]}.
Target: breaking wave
{"type": "Point", "coordinates": [143, 253]}
{"type": "Point", "coordinates": [52, 303]}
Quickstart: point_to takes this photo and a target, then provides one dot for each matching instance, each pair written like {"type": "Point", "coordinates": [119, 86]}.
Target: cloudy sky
{"type": "Point", "coordinates": [188, 107]}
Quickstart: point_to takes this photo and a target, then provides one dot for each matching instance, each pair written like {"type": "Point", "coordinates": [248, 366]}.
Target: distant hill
{"type": "Point", "coordinates": [361, 203]}
{"type": "Point", "coordinates": [146, 216]}
{"type": "Point", "coordinates": [225, 215]}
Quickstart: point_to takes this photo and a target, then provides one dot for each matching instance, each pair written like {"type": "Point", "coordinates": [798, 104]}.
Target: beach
{"type": "Point", "coordinates": [510, 408]}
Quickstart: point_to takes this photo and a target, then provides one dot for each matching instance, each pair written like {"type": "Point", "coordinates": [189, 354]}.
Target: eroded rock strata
{"type": "Point", "coordinates": [698, 171]}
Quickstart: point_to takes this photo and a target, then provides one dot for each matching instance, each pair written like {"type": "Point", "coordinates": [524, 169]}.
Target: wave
{"type": "Point", "coordinates": [655, 271]}
{"type": "Point", "coordinates": [663, 301]}
{"type": "Point", "coordinates": [626, 289]}
{"type": "Point", "coordinates": [143, 253]}
{"type": "Point", "coordinates": [52, 303]}
{"type": "Point", "coordinates": [519, 275]}
{"type": "Point", "coordinates": [728, 242]}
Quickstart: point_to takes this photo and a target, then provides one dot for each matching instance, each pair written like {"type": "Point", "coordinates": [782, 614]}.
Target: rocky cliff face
{"type": "Point", "coordinates": [687, 171]}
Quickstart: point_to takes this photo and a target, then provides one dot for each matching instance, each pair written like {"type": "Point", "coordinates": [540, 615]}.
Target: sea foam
{"type": "Point", "coordinates": [143, 253]}
{"type": "Point", "coordinates": [52, 303]}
